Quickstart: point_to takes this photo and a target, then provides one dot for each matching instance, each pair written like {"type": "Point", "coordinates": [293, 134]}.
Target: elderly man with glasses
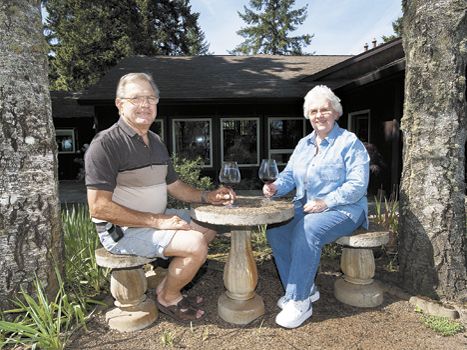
{"type": "Point", "coordinates": [128, 176]}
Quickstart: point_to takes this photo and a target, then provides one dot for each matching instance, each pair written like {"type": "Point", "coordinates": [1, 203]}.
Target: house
{"type": "Point", "coordinates": [245, 108]}
{"type": "Point", "coordinates": [74, 128]}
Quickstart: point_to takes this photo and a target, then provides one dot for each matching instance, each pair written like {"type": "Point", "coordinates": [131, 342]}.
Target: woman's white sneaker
{"type": "Point", "coordinates": [294, 313]}
{"type": "Point", "coordinates": [313, 297]}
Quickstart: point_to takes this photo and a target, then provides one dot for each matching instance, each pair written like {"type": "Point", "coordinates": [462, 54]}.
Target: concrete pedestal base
{"type": "Point", "coordinates": [240, 311]}
{"type": "Point", "coordinates": [132, 319]}
{"type": "Point", "coordinates": [357, 287]}
{"type": "Point", "coordinates": [128, 285]}
{"type": "Point", "coordinates": [240, 304]}
{"type": "Point", "coordinates": [360, 295]}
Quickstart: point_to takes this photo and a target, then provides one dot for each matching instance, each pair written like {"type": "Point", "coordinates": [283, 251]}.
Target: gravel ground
{"type": "Point", "coordinates": [393, 325]}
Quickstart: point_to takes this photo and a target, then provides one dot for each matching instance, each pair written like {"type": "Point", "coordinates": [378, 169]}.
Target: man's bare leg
{"type": "Point", "coordinates": [189, 249]}
{"type": "Point", "coordinates": [209, 234]}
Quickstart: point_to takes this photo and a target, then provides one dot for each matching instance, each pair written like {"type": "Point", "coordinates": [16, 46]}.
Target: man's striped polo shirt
{"type": "Point", "coordinates": [119, 161]}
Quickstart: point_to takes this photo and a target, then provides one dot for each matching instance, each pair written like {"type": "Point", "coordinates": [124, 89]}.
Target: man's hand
{"type": "Point", "coordinates": [315, 206]}
{"type": "Point", "coordinates": [269, 190]}
{"type": "Point", "coordinates": [171, 222]}
{"type": "Point", "coordinates": [221, 196]}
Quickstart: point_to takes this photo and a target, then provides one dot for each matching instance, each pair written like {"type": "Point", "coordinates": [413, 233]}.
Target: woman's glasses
{"type": "Point", "coordinates": [312, 113]}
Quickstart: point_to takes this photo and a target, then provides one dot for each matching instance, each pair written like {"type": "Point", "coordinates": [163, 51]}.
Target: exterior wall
{"type": "Point", "coordinates": [384, 100]}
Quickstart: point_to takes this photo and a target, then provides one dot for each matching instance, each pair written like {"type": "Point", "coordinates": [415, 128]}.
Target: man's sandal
{"type": "Point", "coordinates": [183, 311]}
{"type": "Point", "coordinates": [194, 300]}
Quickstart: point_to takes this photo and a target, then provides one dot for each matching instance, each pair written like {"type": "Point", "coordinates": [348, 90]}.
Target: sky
{"type": "Point", "coordinates": [340, 27]}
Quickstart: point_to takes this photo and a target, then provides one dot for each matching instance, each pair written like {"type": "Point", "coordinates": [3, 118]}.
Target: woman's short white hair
{"type": "Point", "coordinates": [321, 93]}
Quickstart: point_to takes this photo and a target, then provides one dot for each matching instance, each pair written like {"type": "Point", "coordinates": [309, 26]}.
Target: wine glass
{"type": "Point", "coordinates": [230, 176]}
{"type": "Point", "coordinates": [268, 172]}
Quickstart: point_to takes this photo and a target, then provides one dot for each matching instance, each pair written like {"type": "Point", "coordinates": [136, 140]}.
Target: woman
{"type": "Point", "coordinates": [329, 170]}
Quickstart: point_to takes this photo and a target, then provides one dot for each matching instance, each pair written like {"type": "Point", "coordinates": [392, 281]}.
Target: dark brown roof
{"type": "Point", "coordinates": [217, 77]}
{"type": "Point", "coordinates": [387, 56]}
{"type": "Point", "coordinates": [65, 105]}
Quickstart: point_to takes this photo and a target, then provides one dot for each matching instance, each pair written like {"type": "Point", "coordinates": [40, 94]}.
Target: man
{"type": "Point", "coordinates": [128, 176]}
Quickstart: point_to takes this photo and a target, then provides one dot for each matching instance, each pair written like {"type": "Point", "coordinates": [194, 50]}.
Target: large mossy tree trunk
{"type": "Point", "coordinates": [30, 230]}
{"type": "Point", "coordinates": [432, 252]}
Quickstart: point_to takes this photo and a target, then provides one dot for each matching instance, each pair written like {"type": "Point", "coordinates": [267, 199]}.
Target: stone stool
{"type": "Point", "coordinates": [357, 287]}
{"type": "Point", "coordinates": [128, 285]}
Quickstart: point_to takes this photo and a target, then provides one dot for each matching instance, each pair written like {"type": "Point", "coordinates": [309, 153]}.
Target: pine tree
{"type": "Point", "coordinates": [269, 24]}
{"type": "Point", "coordinates": [86, 37]}
{"type": "Point", "coordinates": [397, 27]}
{"type": "Point", "coordinates": [173, 28]}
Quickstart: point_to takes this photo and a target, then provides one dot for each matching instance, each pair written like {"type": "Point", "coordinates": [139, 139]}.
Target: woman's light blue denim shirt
{"type": "Point", "coordinates": [338, 174]}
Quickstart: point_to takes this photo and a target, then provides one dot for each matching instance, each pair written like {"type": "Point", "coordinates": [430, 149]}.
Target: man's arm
{"type": "Point", "coordinates": [186, 193]}
{"type": "Point", "coordinates": [102, 207]}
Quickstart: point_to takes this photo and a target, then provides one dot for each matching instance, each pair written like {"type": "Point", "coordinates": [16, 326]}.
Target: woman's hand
{"type": "Point", "coordinates": [221, 196]}
{"type": "Point", "coordinates": [315, 206]}
{"type": "Point", "coordinates": [269, 190]}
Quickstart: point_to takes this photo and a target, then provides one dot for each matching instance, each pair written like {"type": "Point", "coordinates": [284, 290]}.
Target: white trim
{"type": "Point", "coordinates": [257, 139]}
{"type": "Point", "coordinates": [284, 150]}
{"type": "Point", "coordinates": [194, 120]}
{"type": "Point", "coordinates": [161, 121]}
{"type": "Point", "coordinates": [356, 113]}
{"type": "Point", "coordinates": [60, 135]}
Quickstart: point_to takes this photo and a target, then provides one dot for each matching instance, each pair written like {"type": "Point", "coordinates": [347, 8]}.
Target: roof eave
{"type": "Point", "coordinates": [321, 75]}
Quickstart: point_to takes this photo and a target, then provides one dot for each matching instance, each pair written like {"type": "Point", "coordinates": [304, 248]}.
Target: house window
{"type": "Point", "coordinates": [240, 140]}
{"type": "Point", "coordinates": [158, 128]}
{"type": "Point", "coordinates": [192, 139]}
{"type": "Point", "coordinates": [283, 136]}
{"type": "Point", "coordinates": [65, 140]}
{"type": "Point", "coordinates": [359, 124]}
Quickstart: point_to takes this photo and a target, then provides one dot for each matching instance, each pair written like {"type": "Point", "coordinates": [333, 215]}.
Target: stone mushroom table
{"type": "Point", "coordinates": [240, 304]}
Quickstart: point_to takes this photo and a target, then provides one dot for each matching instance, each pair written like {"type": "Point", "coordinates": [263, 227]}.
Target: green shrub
{"type": "Point", "coordinates": [332, 251]}
{"type": "Point", "coordinates": [189, 172]}
{"type": "Point", "coordinates": [442, 325]}
{"type": "Point", "coordinates": [42, 323]}
{"type": "Point", "coordinates": [389, 215]}
{"type": "Point", "coordinates": [259, 242]}
{"type": "Point", "coordinates": [81, 241]}
{"type": "Point", "coordinates": [46, 324]}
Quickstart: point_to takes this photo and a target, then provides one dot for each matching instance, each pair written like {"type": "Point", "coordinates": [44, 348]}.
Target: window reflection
{"type": "Point", "coordinates": [65, 139]}
{"type": "Point", "coordinates": [240, 140]}
{"type": "Point", "coordinates": [284, 134]}
{"type": "Point", "coordinates": [192, 139]}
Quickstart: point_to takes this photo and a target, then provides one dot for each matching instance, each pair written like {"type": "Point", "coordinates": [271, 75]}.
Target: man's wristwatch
{"type": "Point", "coordinates": [204, 197]}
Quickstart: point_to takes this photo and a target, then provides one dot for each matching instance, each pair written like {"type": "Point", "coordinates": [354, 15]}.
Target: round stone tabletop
{"type": "Point", "coordinates": [251, 210]}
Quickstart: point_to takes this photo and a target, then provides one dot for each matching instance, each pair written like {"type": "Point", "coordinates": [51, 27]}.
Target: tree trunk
{"type": "Point", "coordinates": [30, 230]}
{"type": "Point", "coordinates": [432, 253]}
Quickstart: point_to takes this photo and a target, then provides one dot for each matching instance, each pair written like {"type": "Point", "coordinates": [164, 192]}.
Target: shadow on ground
{"type": "Point", "coordinates": [393, 325]}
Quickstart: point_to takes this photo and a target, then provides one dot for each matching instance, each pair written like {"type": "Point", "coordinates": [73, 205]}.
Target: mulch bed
{"type": "Point", "coordinates": [393, 325]}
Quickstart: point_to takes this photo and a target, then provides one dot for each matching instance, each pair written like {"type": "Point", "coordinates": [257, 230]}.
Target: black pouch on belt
{"type": "Point", "coordinates": [115, 231]}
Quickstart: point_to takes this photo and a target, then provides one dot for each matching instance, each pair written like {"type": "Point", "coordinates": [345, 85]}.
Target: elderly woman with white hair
{"type": "Point", "coordinates": [329, 169]}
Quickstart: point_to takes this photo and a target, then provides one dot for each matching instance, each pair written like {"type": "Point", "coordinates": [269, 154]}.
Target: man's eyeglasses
{"type": "Point", "coordinates": [323, 111]}
{"type": "Point", "coordinates": [140, 100]}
